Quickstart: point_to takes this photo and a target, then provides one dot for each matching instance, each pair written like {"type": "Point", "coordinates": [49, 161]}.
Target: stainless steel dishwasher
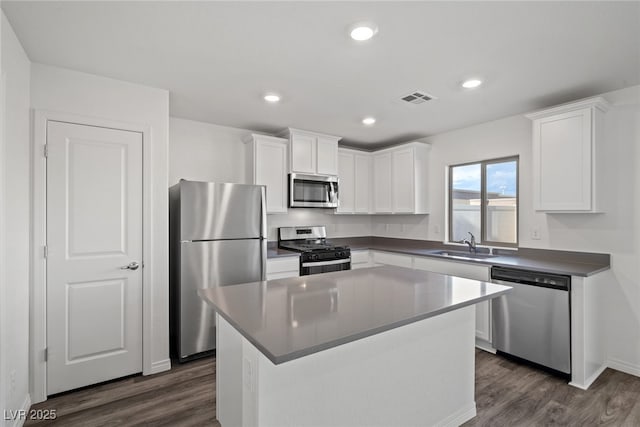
{"type": "Point", "coordinates": [532, 322]}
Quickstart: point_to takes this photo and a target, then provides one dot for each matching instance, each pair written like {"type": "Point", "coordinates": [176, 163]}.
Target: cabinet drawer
{"type": "Point", "coordinates": [392, 259]}
{"type": "Point", "coordinates": [359, 257]}
{"type": "Point", "coordinates": [281, 265]}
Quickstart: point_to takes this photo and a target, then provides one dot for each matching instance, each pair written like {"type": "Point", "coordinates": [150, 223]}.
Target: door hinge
{"type": "Point", "coordinates": [45, 252]}
{"type": "Point", "coordinates": [46, 150]}
{"type": "Point", "coordinates": [46, 354]}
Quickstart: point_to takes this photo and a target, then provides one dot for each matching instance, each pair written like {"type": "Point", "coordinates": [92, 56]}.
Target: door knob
{"type": "Point", "coordinates": [132, 266]}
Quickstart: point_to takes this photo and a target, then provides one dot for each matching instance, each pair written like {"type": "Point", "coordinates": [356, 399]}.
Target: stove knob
{"type": "Point", "coordinates": [341, 254]}
{"type": "Point", "coordinates": [314, 257]}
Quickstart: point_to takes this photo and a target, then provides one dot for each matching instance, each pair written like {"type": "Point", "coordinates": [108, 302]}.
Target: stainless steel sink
{"type": "Point", "coordinates": [469, 256]}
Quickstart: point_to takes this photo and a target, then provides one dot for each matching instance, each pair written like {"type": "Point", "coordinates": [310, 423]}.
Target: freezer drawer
{"type": "Point", "coordinates": [210, 264]}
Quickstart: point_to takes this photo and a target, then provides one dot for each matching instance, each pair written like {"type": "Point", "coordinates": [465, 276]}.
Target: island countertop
{"type": "Point", "coordinates": [294, 317]}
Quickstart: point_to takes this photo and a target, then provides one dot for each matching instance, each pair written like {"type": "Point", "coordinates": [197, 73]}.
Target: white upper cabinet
{"type": "Point", "coordinates": [354, 172]}
{"type": "Point", "coordinates": [267, 165]}
{"type": "Point", "coordinates": [327, 155]}
{"type": "Point", "coordinates": [303, 153]}
{"type": "Point", "coordinates": [400, 179]}
{"type": "Point", "coordinates": [567, 141]}
{"type": "Point", "coordinates": [362, 182]}
{"type": "Point", "coordinates": [382, 187]}
{"type": "Point", "coordinates": [403, 180]}
{"type": "Point", "coordinates": [311, 152]}
{"type": "Point", "coordinates": [347, 183]}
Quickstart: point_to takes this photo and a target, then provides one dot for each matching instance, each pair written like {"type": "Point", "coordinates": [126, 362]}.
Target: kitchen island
{"type": "Point", "coordinates": [376, 346]}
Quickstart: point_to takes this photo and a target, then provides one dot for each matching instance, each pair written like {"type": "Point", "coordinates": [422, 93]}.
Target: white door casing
{"type": "Point", "coordinates": [94, 228]}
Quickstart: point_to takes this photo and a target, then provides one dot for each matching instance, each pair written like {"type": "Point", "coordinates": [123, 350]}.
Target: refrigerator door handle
{"type": "Point", "coordinates": [264, 260]}
{"type": "Point", "coordinates": [263, 209]}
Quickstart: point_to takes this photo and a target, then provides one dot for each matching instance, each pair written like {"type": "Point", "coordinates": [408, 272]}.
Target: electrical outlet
{"type": "Point", "coordinates": [436, 229]}
{"type": "Point", "coordinates": [535, 233]}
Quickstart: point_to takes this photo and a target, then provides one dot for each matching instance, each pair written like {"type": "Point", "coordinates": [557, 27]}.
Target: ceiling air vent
{"type": "Point", "coordinates": [417, 97]}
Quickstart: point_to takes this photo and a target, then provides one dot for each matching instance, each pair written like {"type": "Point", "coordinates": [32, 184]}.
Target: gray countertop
{"type": "Point", "coordinates": [290, 318]}
{"type": "Point", "coordinates": [275, 252]}
{"type": "Point", "coordinates": [550, 261]}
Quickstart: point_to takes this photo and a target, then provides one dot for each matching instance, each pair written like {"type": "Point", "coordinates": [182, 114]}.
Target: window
{"type": "Point", "coordinates": [483, 200]}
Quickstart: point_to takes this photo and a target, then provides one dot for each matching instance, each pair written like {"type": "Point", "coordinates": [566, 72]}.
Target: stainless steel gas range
{"type": "Point", "coordinates": [317, 254]}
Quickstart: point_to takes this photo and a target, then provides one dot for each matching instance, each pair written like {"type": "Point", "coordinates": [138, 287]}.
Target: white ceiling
{"type": "Point", "coordinates": [218, 59]}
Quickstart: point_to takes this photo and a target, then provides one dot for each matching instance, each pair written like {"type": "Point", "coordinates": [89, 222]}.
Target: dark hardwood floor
{"type": "Point", "coordinates": [507, 394]}
{"type": "Point", "coordinates": [183, 396]}
{"type": "Point", "coordinates": [511, 394]}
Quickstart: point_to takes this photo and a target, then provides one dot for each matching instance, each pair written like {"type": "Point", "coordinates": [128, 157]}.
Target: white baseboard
{"type": "Point", "coordinates": [459, 417]}
{"type": "Point", "coordinates": [160, 366]}
{"type": "Point", "coordinates": [484, 345]}
{"type": "Point", "coordinates": [591, 379]}
{"type": "Point", "coordinates": [627, 368]}
{"type": "Point", "coordinates": [24, 409]}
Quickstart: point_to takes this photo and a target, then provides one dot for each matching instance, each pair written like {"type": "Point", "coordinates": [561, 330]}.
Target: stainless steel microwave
{"type": "Point", "coordinates": [313, 191]}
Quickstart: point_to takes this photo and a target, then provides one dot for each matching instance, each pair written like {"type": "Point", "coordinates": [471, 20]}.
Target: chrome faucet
{"type": "Point", "coordinates": [471, 242]}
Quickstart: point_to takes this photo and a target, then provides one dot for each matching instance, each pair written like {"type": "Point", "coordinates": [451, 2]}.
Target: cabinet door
{"type": "Point", "coordinates": [362, 182]}
{"type": "Point", "coordinates": [346, 186]}
{"type": "Point", "coordinates": [382, 183]}
{"type": "Point", "coordinates": [360, 259]}
{"type": "Point", "coordinates": [468, 271]}
{"type": "Point", "coordinates": [303, 153]}
{"type": "Point", "coordinates": [271, 171]}
{"type": "Point", "coordinates": [327, 155]}
{"type": "Point", "coordinates": [562, 158]}
{"type": "Point", "coordinates": [402, 181]}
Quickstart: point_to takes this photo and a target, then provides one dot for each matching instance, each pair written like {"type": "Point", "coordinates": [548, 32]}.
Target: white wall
{"type": "Point", "coordinates": [205, 152]}
{"type": "Point", "coordinates": [337, 225]}
{"type": "Point", "coordinates": [617, 231]}
{"type": "Point", "coordinates": [14, 229]}
{"type": "Point", "coordinates": [405, 226]}
{"type": "Point", "coordinates": [62, 90]}
{"type": "Point", "coordinates": [208, 152]}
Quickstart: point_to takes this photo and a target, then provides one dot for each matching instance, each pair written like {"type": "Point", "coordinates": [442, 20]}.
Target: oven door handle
{"type": "Point", "coordinates": [321, 263]}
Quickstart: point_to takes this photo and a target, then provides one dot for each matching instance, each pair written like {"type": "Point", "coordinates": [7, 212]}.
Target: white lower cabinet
{"type": "Point", "coordinates": [360, 259]}
{"type": "Point", "coordinates": [279, 268]}
{"type": "Point", "coordinates": [468, 271]}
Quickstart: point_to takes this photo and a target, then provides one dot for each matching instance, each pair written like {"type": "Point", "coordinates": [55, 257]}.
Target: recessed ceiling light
{"type": "Point", "coordinates": [368, 121]}
{"type": "Point", "coordinates": [363, 31]}
{"type": "Point", "coordinates": [471, 83]}
{"type": "Point", "coordinates": [272, 98]}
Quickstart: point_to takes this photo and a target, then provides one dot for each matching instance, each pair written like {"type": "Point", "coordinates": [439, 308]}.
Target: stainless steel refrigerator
{"type": "Point", "coordinates": [217, 237]}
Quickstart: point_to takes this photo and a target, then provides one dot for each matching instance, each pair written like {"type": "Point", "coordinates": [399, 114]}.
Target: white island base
{"type": "Point", "coordinates": [420, 374]}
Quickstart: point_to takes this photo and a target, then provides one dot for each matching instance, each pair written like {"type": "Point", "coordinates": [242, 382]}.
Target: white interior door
{"type": "Point", "coordinates": [94, 230]}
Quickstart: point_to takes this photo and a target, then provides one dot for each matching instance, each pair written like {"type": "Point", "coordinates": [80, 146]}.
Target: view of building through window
{"type": "Point", "coordinates": [483, 200]}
